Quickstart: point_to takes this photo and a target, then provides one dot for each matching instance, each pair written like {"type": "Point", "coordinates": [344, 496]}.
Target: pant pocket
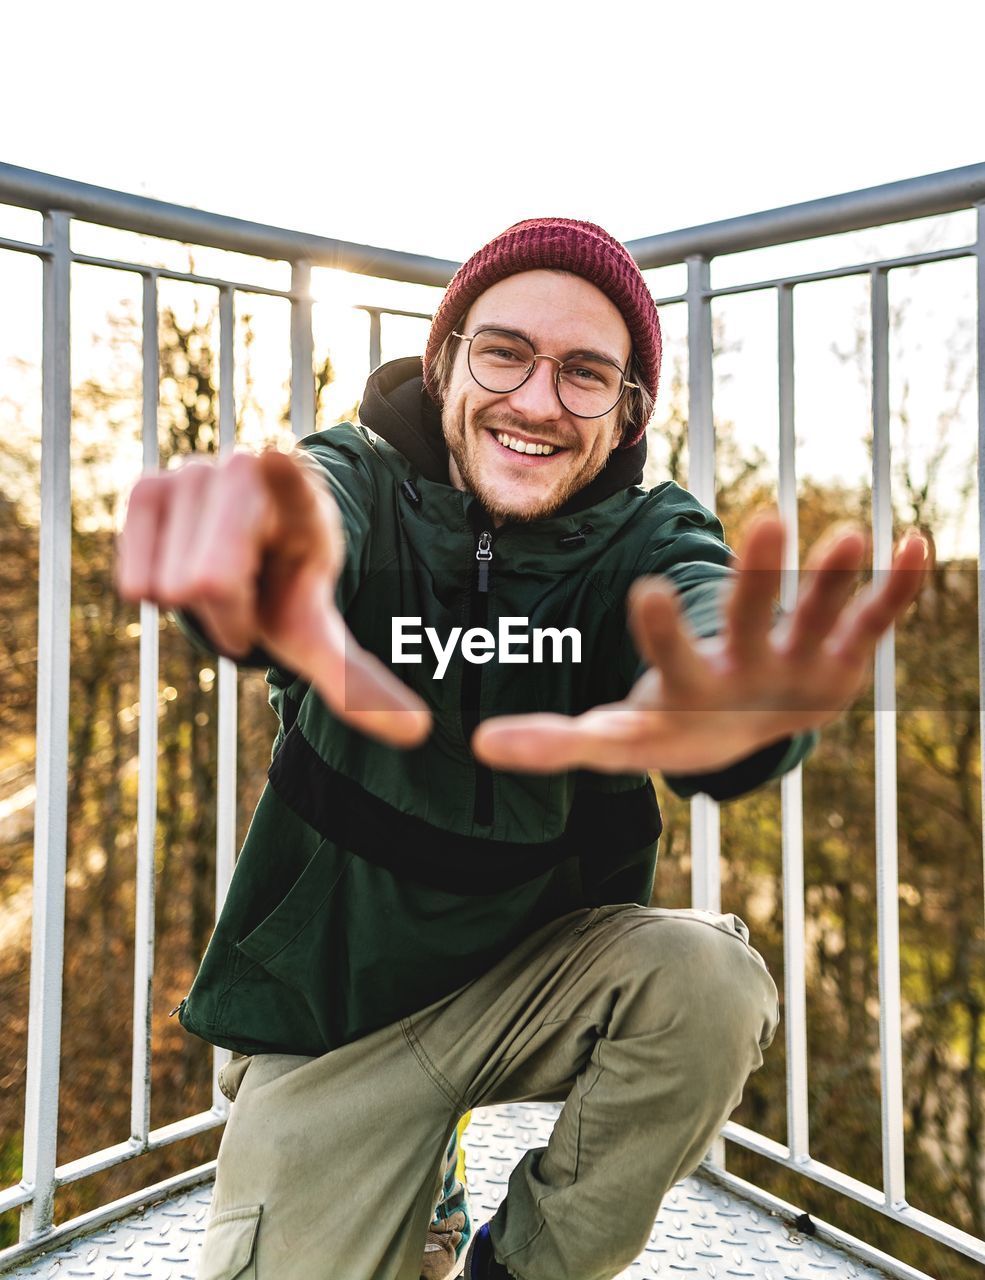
{"type": "Point", "coordinates": [231, 1076]}
{"type": "Point", "coordinates": [230, 1241]}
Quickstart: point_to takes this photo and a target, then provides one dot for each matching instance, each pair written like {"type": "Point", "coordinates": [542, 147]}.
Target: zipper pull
{"type": "Point", "coordinates": [576, 539]}
{"type": "Point", "coordinates": [483, 554]}
{"type": "Point", "coordinates": [409, 490]}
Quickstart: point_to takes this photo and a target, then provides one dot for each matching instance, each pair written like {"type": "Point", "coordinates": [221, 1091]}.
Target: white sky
{"type": "Point", "coordinates": [431, 127]}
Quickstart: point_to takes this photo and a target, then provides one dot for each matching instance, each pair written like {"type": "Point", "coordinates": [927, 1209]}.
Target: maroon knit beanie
{"type": "Point", "coordinates": [568, 245]}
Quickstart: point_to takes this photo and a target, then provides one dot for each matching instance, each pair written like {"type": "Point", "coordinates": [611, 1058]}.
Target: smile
{"type": "Point", "coordinates": [525, 448]}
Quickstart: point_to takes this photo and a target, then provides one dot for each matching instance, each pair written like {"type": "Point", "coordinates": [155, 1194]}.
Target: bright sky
{"type": "Point", "coordinates": [431, 127]}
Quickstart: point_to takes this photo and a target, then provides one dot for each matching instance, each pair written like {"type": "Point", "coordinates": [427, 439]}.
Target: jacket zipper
{"type": "Point", "coordinates": [478, 614]}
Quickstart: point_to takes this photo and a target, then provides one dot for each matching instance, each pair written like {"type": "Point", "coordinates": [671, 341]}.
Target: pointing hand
{"type": "Point", "coordinates": [254, 546]}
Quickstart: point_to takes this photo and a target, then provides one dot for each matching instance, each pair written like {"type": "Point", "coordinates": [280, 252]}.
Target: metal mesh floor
{"type": "Point", "coordinates": [702, 1231]}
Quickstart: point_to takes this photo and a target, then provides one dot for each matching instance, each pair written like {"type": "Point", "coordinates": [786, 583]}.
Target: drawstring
{"type": "Point", "coordinates": [409, 490]}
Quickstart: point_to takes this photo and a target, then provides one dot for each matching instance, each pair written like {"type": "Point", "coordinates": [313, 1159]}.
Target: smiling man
{"type": "Point", "coordinates": [525, 457]}
{"type": "Point", "coordinates": [443, 900]}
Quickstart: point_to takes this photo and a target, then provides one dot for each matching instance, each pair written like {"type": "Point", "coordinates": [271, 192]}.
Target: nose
{"type": "Point", "coordinates": [537, 399]}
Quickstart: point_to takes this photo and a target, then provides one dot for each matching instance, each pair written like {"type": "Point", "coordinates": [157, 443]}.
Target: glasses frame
{"type": "Point", "coordinates": [626, 384]}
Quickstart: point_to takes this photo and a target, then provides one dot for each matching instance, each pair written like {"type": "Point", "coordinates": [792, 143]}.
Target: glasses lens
{"type": "Point", "coordinates": [499, 361]}
{"type": "Point", "coordinates": [589, 388]}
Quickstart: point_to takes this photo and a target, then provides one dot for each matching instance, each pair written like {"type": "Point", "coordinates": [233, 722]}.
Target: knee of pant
{"type": "Point", "coordinates": [702, 977]}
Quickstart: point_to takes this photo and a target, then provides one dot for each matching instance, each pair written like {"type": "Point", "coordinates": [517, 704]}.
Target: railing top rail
{"type": "Point", "coordinates": [30, 189]}
{"type": "Point", "coordinates": [934, 193]}
{"type": "Point", "coordinates": [943, 192]}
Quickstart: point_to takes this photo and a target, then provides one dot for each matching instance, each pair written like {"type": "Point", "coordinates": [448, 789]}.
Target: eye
{"type": "Point", "coordinates": [584, 374]}
{"type": "Point", "coordinates": [500, 349]}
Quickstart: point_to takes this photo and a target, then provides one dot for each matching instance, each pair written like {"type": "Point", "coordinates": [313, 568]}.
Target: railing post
{"type": "Point", "coordinates": [980, 260]}
{"type": "Point", "coordinates": [143, 975]}
{"type": "Point", "coordinates": [700, 418]}
{"type": "Point", "coordinates": [887, 860]}
{"type": "Point", "coordinates": [706, 888]}
{"type": "Point", "coordinates": [375, 338]}
{"type": "Point", "coordinates": [225, 833]}
{"type": "Point", "coordinates": [705, 825]}
{"type": "Point", "coordinates": [302, 352]}
{"type": "Point", "coordinates": [791, 785]}
{"type": "Point", "coordinates": [51, 805]}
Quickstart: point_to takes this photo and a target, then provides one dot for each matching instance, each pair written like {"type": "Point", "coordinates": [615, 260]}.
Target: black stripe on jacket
{"type": "Point", "coordinates": [605, 829]}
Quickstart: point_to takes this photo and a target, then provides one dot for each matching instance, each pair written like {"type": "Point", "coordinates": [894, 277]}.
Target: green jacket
{"type": "Point", "coordinates": [374, 880]}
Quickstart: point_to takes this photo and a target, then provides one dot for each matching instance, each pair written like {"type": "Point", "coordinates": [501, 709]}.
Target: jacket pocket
{"type": "Point", "coordinates": [230, 1241]}
{"type": "Point", "coordinates": [304, 900]}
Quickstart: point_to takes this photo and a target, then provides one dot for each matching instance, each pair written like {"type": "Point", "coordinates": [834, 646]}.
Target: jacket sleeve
{"type": "Point", "coordinates": [688, 548]}
{"type": "Point", "coordinates": [339, 458]}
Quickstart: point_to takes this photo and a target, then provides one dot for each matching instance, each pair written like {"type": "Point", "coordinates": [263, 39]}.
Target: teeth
{"type": "Point", "coordinates": [522, 446]}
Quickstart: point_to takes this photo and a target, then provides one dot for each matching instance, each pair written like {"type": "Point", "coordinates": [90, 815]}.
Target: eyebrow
{"type": "Point", "coordinates": [583, 352]}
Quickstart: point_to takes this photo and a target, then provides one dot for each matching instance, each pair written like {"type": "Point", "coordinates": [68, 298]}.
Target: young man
{"type": "Point", "coordinates": [482, 635]}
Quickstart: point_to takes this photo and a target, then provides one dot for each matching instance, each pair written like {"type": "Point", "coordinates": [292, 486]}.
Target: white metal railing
{"type": "Point", "coordinates": [61, 201]}
{"type": "Point", "coordinates": [937, 193]}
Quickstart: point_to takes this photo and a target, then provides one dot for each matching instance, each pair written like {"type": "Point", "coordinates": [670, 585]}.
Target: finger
{"type": "Point", "coordinates": [877, 609]}
{"type": "Point", "coordinates": [749, 608]}
{"type": "Point", "coordinates": [610, 739]}
{"type": "Point", "coordinates": [230, 623]}
{"type": "Point", "coordinates": [831, 576]}
{"type": "Point", "coordinates": [224, 557]}
{"type": "Point", "coordinates": [187, 497]}
{"type": "Point", "coordinates": [663, 637]}
{"type": "Point", "coordinates": [136, 547]}
{"type": "Point", "coordinates": [305, 522]}
{"type": "Point", "coordinates": [355, 684]}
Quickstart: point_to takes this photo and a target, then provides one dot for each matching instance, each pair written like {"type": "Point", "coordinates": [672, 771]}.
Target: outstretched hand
{"type": "Point", "coordinates": [254, 546]}
{"type": "Point", "coordinates": [703, 704]}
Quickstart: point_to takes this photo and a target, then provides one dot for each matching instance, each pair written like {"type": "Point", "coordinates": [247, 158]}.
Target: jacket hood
{"type": "Point", "coordinates": [396, 407]}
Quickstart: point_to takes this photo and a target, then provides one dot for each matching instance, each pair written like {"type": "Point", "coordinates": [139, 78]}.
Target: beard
{"type": "Point", "coordinates": [462, 448]}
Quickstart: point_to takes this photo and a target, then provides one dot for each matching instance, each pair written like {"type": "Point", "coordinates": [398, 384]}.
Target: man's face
{"type": "Point", "coordinates": [559, 314]}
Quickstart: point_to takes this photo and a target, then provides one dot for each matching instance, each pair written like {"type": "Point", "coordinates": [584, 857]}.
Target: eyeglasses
{"type": "Point", "coordinates": [588, 386]}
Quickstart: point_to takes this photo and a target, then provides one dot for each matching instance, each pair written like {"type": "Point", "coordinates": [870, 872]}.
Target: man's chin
{"type": "Point", "coordinates": [519, 508]}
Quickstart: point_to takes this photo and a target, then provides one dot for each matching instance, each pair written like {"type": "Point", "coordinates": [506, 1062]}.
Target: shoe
{"type": "Point", "coordinates": [480, 1261]}
{"type": "Point", "coordinates": [443, 1248]}
{"type": "Point", "coordinates": [451, 1227]}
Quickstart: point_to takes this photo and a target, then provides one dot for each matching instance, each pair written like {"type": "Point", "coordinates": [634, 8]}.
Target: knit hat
{"type": "Point", "coordinates": [564, 243]}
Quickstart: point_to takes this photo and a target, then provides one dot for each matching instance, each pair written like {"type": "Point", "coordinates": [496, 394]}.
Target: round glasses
{"type": "Point", "coordinates": [588, 386]}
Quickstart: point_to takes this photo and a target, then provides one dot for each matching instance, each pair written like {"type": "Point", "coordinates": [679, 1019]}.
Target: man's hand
{"type": "Point", "coordinates": [254, 546]}
{"type": "Point", "coordinates": [703, 704]}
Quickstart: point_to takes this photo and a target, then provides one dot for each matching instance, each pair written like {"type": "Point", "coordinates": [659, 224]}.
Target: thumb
{"type": "Point", "coordinates": [305, 524]}
{"type": "Point", "coordinates": [358, 687]}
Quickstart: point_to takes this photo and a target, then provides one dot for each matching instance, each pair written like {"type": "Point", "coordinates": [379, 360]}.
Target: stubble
{"type": "Point", "coordinates": [461, 449]}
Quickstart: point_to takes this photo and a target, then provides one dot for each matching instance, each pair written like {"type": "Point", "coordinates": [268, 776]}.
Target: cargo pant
{"type": "Point", "coordinates": [645, 1022]}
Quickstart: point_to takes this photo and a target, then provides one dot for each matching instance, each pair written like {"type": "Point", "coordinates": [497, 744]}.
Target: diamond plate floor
{"type": "Point", "coordinates": [702, 1231]}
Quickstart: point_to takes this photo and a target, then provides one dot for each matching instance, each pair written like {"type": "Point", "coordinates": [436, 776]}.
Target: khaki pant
{"type": "Point", "coordinates": [646, 1022]}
